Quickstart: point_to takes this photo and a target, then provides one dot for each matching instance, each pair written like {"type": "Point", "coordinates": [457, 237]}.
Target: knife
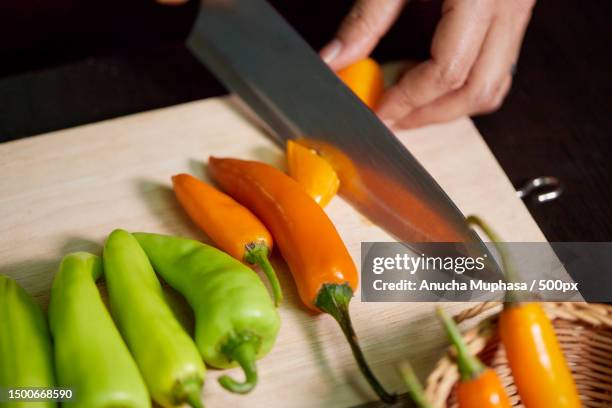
{"type": "Point", "coordinates": [257, 55]}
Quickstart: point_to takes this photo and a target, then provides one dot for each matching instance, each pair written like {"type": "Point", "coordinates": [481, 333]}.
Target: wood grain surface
{"type": "Point", "coordinates": [65, 191]}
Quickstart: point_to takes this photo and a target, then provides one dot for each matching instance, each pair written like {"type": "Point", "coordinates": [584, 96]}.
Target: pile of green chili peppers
{"type": "Point", "coordinates": [138, 351]}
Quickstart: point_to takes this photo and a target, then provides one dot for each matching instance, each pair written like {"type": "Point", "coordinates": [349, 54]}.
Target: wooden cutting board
{"type": "Point", "coordinates": [65, 191]}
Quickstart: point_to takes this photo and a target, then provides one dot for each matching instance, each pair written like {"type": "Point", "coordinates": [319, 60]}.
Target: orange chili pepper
{"type": "Point", "coordinates": [365, 78]}
{"type": "Point", "coordinates": [539, 368]}
{"type": "Point", "coordinates": [321, 266]}
{"type": "Point", "coordinates": [312, 172]}
{"type": "Point", "coordinates": [230, 225]}
{"type": "Point", "coordinates": [479, 386]}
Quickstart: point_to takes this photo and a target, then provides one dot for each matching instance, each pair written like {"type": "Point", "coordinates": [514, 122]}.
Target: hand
{"type": "Point", "coordinates": [473, 54]}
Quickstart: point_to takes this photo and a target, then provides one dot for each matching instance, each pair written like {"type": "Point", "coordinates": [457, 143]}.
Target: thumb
{"type": "Point", "coordinates": [360, 31]}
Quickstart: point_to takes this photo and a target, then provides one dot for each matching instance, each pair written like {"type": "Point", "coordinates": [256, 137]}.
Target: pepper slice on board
{"type": "Point", "coordinates": [312, 172]}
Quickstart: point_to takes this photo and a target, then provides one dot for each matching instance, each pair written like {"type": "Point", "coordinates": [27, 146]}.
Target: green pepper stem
{"type": "Point", "coordinates": [243, 350]}
{"type": "Point", "coordinates": [194, 400]}
{"type": "Point", "coordinates": [415, 389]}
{"type": "Point", "coordinates": [510, 274]}
{"type": "Point", "coordinates": [470, 367]}
{"type": "Point", "coordinates": [189, 392]}
{"type": "Point", "coordinates": [258, 254]}
{"type": "Point", "coordinates": [334, 300]}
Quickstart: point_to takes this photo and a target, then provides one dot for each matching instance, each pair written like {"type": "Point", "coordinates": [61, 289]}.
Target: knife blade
{"type": "Point", "coordinates": [257, 55]}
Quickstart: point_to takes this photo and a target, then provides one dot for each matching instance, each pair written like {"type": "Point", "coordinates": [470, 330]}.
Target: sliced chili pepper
{"type": "Point", "coordinates": [404, 206]}
{"type": "Point", "coordinates": [479, 386]}
{"type": "Point", "coordinates": [312, 172]}
{"type": "Point", "coordinates": [321, 266]}
{"type": "Point", "coordinates": [365, 78]}
{"type": "Point", "coordinates": [230, 225]}
{"type": "Point", "coordinates": [539, 368]}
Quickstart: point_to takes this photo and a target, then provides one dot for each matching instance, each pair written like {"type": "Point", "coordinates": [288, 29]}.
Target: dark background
{"type": "Point", "coordinates": [69, 62]}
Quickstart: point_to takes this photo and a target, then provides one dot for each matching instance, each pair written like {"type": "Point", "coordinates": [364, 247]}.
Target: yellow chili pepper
{"type": "Point", "coordinates": [540, 371]}
{"type": "Point", "coordinates": [539, 368]}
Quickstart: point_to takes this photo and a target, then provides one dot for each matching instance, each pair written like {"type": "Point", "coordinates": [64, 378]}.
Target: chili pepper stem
{"type": "Point", "coordinates": [242, 349]}
{"type": "Point", "coordinates": [334, 300]}
{"type": "Point", "coordinates": [257, 254]}
{"type": "Point", "coordinates": [189, 392]}
{"type": "Point", "coordinates": [415, 389]}
{"type": "Point", "coordinates": [194, 400]}
{"type": "Point", "coordinates": [470, 367]}
{"type": "Point", "coordinates": [510, 274]}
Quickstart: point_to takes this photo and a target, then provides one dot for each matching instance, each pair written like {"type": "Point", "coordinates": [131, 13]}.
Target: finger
{"type": "Point", "coordinates": [496, 62]}
{"type": "Point", "coordinates": [360, 31]}
{"type": "Point", "coordinates": [496, 100]}
{"type": "Point", "coordinates": [485, 80]}
{"type": "Point", "coordinates": [488, 82]}
{"type": "Point", "coordinates": [455, 46]}
{"type": "Point", "coordinates": [450, 107]}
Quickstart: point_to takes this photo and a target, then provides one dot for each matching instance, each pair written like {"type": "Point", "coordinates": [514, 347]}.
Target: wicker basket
{"type": "Point", "coordinates": [584, 331]}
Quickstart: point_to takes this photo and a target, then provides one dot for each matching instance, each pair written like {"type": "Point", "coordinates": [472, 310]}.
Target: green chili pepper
{"type": "Point", "coordinates": [26, 358]}
{"type": "Point", "coordinates": [90, 356]}
{"type": "Point", "coordinates": [168, 359]}
{"type": "Point", "coordinates": [236, 321]}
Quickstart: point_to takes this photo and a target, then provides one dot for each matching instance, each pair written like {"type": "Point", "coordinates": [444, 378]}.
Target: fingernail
{"type": "Point", "coordinates": [331, 51]}
{"type": "Point", "coordinates": [389, 123]}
